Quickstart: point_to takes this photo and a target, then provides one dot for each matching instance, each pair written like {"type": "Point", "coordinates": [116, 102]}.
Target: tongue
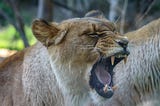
{"type": "Point", "coordinates": [103, 76]}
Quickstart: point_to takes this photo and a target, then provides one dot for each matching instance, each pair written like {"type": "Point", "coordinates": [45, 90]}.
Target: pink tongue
{"type": "Point", "coordinates": [103, 76]}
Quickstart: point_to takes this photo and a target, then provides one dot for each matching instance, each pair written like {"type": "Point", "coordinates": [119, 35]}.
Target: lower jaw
{"type": "Point", "coordinates": [104, 94]}
{"type": "Point", "coordinates": [99, 86]}
{"type": "Point", "coordinates": [105, 91]}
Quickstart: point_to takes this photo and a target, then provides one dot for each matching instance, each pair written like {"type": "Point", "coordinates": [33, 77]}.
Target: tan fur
{"type": "Point", "coordinates": [57, 74]}
{"type": "Point", "coordinates": [1, 59]}
{"type": "Point", "coordinates": [139, 79]}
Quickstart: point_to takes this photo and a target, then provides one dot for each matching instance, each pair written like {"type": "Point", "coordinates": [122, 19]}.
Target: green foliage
{"type": "Point", "coordinates": [10, 39]}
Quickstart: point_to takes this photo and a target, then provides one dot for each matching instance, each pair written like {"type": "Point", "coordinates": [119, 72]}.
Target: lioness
{"type": "Point", "coordinates": [139, 79]}
{"type": "Point", "coordinates": [71, 65]}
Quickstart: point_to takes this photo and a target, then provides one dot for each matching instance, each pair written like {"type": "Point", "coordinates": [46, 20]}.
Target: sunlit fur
{"type": "Point", "coordinates": [139, 80]}
{"type": "Point", "coordinates": [55, 71]}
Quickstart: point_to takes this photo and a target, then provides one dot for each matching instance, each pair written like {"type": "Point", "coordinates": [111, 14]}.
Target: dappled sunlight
{"type": "Point", "coordinates": [5, 52]}
{"type": "Point", "coordinates": [10, 39]}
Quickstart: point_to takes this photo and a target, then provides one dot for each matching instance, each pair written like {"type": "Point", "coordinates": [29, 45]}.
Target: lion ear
{"type": "Point", "coordinates": [47, 33]}
{"type": "Point", "coordinates": [95, 14]}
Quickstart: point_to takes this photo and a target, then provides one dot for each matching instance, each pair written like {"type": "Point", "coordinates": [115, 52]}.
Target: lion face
{"type": "Point", "coordinates": [83, 53]}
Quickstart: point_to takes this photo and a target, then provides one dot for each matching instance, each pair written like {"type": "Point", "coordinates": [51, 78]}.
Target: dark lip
{"type": "Point", "coordinates": [96, 84]}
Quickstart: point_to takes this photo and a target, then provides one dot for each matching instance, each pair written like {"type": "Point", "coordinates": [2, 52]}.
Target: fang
{"type": "Point", "coordinates": [114, 88]}
{"type": "Point", "coordinates": [125, 60]}
{"type": "Point", "coordinates": [112, 60]}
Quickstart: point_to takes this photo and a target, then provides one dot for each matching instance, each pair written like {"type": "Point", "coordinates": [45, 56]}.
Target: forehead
{"type": "Point", "coordinates": [90, 22]}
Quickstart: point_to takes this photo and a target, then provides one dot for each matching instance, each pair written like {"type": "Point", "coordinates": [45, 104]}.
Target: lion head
{"type": "Point", "coordinates": [83, 53]}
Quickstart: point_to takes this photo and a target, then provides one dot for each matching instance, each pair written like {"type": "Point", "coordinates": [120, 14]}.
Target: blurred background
{"type": "Point", "coordinates": [16, 16]}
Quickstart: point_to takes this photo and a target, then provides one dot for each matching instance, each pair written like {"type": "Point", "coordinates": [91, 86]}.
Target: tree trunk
{"type": "Point", "coordinates": [122, 25]}
{"type": "Point", "coordinates": [45, 9]}
{"type": "Point", "coordinates": [113, 12]}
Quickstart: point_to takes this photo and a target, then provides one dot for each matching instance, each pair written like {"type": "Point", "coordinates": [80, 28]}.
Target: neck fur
{"type": "Point", "coordinates": [66, 73]}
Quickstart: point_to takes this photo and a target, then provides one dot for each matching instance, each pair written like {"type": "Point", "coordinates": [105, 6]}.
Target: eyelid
{"type": "Point", "coordinates": [100, 34]}
{"type": "Point", "coordinates": [105, 33]}
{"type": "Point", "coordinates": [94, 35]}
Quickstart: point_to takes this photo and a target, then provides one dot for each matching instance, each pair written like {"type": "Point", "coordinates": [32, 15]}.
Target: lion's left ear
{"type": "Point", "coordinates": [47, 33]}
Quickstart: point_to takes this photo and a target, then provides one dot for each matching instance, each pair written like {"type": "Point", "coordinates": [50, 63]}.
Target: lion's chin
{"type": "Point", "coordinates": [101, 78]}
{"type": "Point", "coordinates": [96, 98]}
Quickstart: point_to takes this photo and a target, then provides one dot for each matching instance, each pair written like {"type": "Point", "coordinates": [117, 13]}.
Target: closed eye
{"type": "Point", "coordinates": [94, 35]}
{"type": "Point", "coordinates": [101, 34]}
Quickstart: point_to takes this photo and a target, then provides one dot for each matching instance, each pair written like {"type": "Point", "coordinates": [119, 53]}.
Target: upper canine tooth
{"type": "Point", "coordinates": [125, 59]}
{"type": "Point", "coordinates": [112, 60]}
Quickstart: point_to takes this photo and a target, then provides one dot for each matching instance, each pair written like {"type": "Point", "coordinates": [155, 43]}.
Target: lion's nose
{"type": "Point", "coordinates": [123, 42]}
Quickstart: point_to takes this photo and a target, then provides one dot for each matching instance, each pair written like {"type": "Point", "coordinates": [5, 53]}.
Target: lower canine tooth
{"type": "Point", "coordinates": [105, 88]}
{"type": "Point", "coordinates": [112, 60]}
{"type": "Point", "coordinates": [125, 60]}
{"type": "Point", "coordinates": [114, 88]}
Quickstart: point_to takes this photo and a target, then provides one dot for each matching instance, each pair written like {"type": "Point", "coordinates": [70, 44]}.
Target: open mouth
{"type": "Point", "coordinates": [101, 78]}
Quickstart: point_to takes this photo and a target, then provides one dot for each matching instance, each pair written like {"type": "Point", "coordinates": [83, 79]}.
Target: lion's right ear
{"type": "Point", "coordinates": [95, 13]}
{"type": "Point", "coordinates": [47, 33]}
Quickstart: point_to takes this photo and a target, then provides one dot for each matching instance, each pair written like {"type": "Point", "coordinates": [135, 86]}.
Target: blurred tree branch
{"type": "Point", "coordinates": [18, 22]}
{"type": "Point", "coordinates": [68, 8]}
{"type": "Point", "coordinates": [145, 11]}
{"type": "Point", "coordinates": [2, 13]}
{"type": "Point", "coordinates": [123, 16]}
